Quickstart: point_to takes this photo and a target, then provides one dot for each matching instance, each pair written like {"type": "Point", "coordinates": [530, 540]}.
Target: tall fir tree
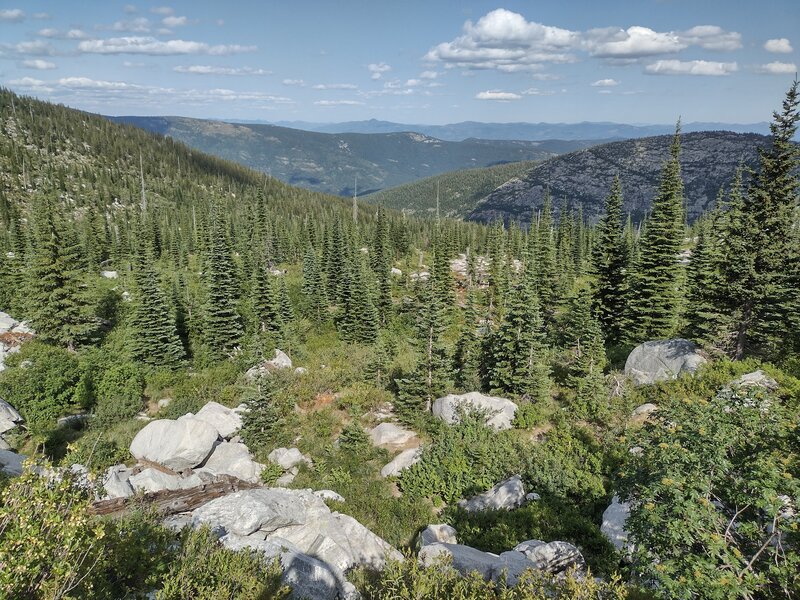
{"type": "Point", "coordinates": [610, 264]}
{"type": "Point", "coordinates": [704, 319]}
{"type": "Point", "coordinates": [545, 260]}
{"type": "Point", "coordinates": [358, 318]}
{"type": "Point", "coordinates": [315, 300]}
{"type": "Point", "coordinates": [653, 298]}
{"type": "Point", "coordinates": [223, 327]}
{"type": "Point", "coordinates": [467, 357]}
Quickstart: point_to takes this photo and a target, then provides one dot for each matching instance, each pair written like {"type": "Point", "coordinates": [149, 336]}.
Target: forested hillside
{"type": "Point", "coordinates": [232, 388]}
{"type": "Point", "coordinates": [459, 191]}
{"type": "Point", "coordinates": [331, 162]}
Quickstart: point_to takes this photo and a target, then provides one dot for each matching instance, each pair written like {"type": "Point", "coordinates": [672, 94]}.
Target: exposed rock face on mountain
{"type": "Point", "coordinates": [708, 162]}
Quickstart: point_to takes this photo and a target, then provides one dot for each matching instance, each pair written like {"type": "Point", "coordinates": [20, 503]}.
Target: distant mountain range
{"type": "Point", "coordinates": [708, 162]}
{"type": "Point", "coordinates": [330, 163]}
{"type": "Point", "coordinates": [524, 131]}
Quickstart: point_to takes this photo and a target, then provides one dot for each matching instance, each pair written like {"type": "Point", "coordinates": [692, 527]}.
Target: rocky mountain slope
{"type": "Point", "coordinates": [331, 162]}
{"type": "Point", "coordinates": [708, 163]}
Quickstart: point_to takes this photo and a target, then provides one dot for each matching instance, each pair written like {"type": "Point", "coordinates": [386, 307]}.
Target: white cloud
{"type": "Point", "coordinates": [49, 32]}
{"type": "Point", "coordinates": [129, 9]}
{"type": "Point", "coordinates": [633, 42]}
{"type": "Point", "coordinates": [378, 69]}
{"type": "Point", "coordinates": [77, 34]}
{"type": "Point", "coordinates": [214, 70]}
{"type": "Point", "coordinates": [294, 82]}
{"type": "Point", "coordinates": [605, 83]}
{"type": "Point", "coordinates": [497, 95]}
{"type": "Point", "coordinates": [38, 64]}
{"type": "Point", "coordinates": [72, 34]}
{"type": "Point", "coordinates": [506, 41]}
{"type": "Point", "coordinates": [174, 21]}
{"type": "Point", "coordinates": [545, 77]}
{"type": "Point", "coordinates": [133, 65]}
{"type": "Point", "coordinates": [13, 15]}
{"type": "Point", "coordinates": [712, 37]}
{"type": "Point", "coordinates": [338, 103]}
{"type": "Point", "coordinates": [778, 68]}
{"type": "Point", "coordinates": [138, 25]}
{"type": "Point", "coordinates": [778, 45]}
{"type": "Point", "coordinates": [537, 92]}
{"type": "Point", "coordinates": [162, 10]}
{"type": "Point", "coordinates": [25, 49]}
{"type": "Point", "coordinates": [334, 86]}
{"type": "Point", "coordinates": [691, 67]}
{"type": "Point", "coordinates": [87, 83]}
{"type": "Point", "coordinates": [428, 75]}
{"type": "Point", "coordinates": [27, 82]}
{"type": "Point", "coordinates": [42, 16]}
{"type": "Point", "coordinates": [150, 45]}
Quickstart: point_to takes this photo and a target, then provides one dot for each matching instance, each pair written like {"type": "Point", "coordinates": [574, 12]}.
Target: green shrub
{"type": "Point", "coordinates": [547, 519]}
{"type": "Point", "coordinates": [119, 393]}
{"type": "Point", "coordinates": [271, 473]}
{"type": "Point", "coordinates": [408, 579]}
{"type": "Point", "coordinates": [461, 460]}
{"type": "Point", "coordinates": [354, 439]}
{"type": "Point", "coordinates": [192, 390]}
{"type": "Point", "coordinates": [96, 451]}
{"type": "Point", "coordinates": [42, 383]}
{"type": "Point", "coordinates": [266, 423]}
{"type": "Point", "coordinates": [205, 570]}
{"type": "Point", "coordinates": [529, 415]}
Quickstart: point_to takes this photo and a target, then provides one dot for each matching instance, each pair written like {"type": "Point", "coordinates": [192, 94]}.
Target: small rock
{"type": "Point", "coordinates": [553, 557]}
{"type": "Point", "coordinates": [116, 482]}
{"type": "Point", "coordinates": [532, 497]}
{"type": "Point", "coordinates": [9, 417]}
{"type": "Point", "coordinates": [329, 495]}
{"type": "Point", "coordinates": [300, 371]}
{"type": "Point", "coordinates": [463, 559]}
{"type": "Point", "coordinates": [391, 436]}
{"type": "Point", "coordinates": [11, 462]}
{"type": "Point", "coordinates": [505, 495]}
{"type": "Point", "coordinates": [434, 534]}
{"type": "Point", "coordinates": [164, 402]}
{"type": "Point", "coordinates": [287, 478]}
{"type": "Point", "coordinates": [756, 379]}
{"type": "Point", "coordinates": [288, 457]}
{"type": "Point", "coordinates": [402, 461]}
{"type": "Point", "coordinates": [644, 411]}
{"type": "Point", "coordinates": [109, 274]}
{"type": "Point", "coordinates": [152, 480]}
{"type": "Point", "coordinates": [280, 361]}
{"type": "Point", "coordinates": [396, 272]}
{"type": "Point", "coordinates": [613, 527]}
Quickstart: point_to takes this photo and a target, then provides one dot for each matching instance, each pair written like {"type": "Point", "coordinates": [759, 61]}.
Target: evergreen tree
{"type": "Point", "coordinates": [266, 303]}
{"type": "Point", "coordinates": [653, 292]}
{"type": "Point", "coordinates": [223, 326]}
{"type": "Point", "coordinates": [358, 320]}
{"type": "Point", "coordinates": [284, 302]}
{"type": "Point", "coordinates": [154, 336]}
{"type": "Point", "coordinates": [517, 363]}
{"type": "Point", "coordinates": [704, 320]}
{"type": "Point", "coordinates": [313, 289]}
{"type": "Point", "coordinates": [610, 263]}
{"type": "Point", "coordinates": [58, 304]}
{"type": "Point", "coordinates": [545, 259]}
{"type": "Point", "coordinates": [467, 358]}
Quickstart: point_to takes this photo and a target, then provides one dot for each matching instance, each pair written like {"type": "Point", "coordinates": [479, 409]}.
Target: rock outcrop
{"type": "Point", "coordinates": [225, 420]}
{"type": "Point", "coordinates": [440, 533]}
{"type": "Point", "coordinates": [613, 527]}
{"type": "Point", "coordinates": [402, 461]}
{"type": "Point", "coordinates": [392, 436]}
{"type": "Point", "coordinates": [661, 360]}
{"type": "Point", "coordinates": [280, 361]}
{"type": "Point", "coordinates": [177, 445]}
{"type": "Point", "coordinates": [499, 411]}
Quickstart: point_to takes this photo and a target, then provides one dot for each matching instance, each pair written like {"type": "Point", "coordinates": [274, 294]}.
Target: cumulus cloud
{"type": "Point", "coordinates": [41, 16]}
{"type": "Point", "coordinates": [778, 68]}
{"type": "Point", "coordinates": [38, 64]}
{"type": "Point", "coordinates": [172, 21]}
{"type": "Point", "coordinates": [25, 49]}
{"type": "Point", "coordinates": [72, 34]}
{"type": "Point", "coordinates": [506, 41]}
{"type": "Point", "coordinates": [214, 70]}
{"type": "Point", "coordinates": [691, 67]}
{"type": "Point", "coordinates": [378, 69]}
{"type": "Point", "coordinates": [129, 9]}
{"type": "Point", "coordinates": [150, 45]}
{"type": "Point", "coordinates": [498, 96]}
{"type": "Point", "coordinates": [334, 86]}
{"type": "Point", "coordinates": [138, 25]}
{"type": "Point", "coordinates": [429, 75]}
{"type": "Point", "coordinates": [605, 83]}
{"type": "Point", "coordinates": [338, 103]}
{"type": "Point", "coordinates": [294, 82]}
{"type": "Point", "coordinates": [778, 45]}
{"type": "Point", "coordinates": [162, 10]}
{"type": "Point", "coordinates": [537, 92]}
{"type": "Point", "coordinates": [12, 15]}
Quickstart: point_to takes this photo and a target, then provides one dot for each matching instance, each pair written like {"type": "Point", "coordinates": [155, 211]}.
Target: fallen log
{"type": "Point", "coordinates": [170, 502]}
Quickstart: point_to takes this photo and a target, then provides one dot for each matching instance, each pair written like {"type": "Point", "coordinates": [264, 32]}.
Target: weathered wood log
{"type": "Point", "coordinates": [170, 502]}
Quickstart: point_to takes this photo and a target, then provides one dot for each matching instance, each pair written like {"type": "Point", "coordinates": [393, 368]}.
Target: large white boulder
{"type": "Point", "coordinates": [233, 458]}
{"type": "Point", "coordinates": [152, 480]}
{"type": "Point", "coordinates": [463, 559]}
{"type": "Point", "coordinates": [225, 420]}
{"type": "Point", "coordinates": [391, 436]}
{"type": "Point", "coordinates": [402, 461]}
{"type": "Point", "coordinates": [506, 495]}
{"type": "Point", "coordinates": [662, 359]}
{"type": "Point", "coordinates": [440, 533]}
{"type": "Point", "coordinates": [500, 411]}
{"type": "Point", "coordinates": [613, 527]}
{"type": "Point", "coordinates": [288, 458]}
{"type": "Point", "coordinates": [177, 445]}
{"type": "Point", "coordinates": [300, 518]}
{"type": "Point", "coordinates": [9, 417]}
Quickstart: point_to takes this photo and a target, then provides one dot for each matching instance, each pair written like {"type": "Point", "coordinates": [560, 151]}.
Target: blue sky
{"type": "Point", "coordinates": [431, 61]}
